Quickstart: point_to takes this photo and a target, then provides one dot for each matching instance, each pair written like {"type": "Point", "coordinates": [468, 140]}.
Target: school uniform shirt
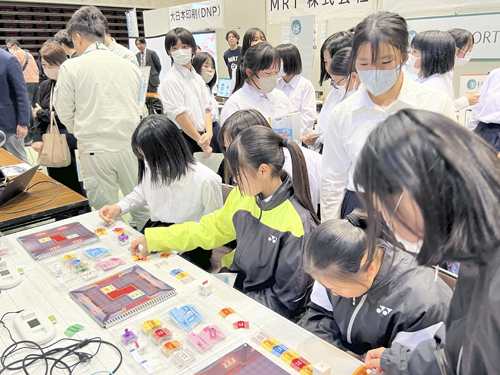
{"type": "Point", "coordinates": [197, 193]}
{"type": "Point", "coordinates": [459, 103]}
{"type": "Point", "coordinates": [123, 52]}
{"type": "Point", "coordinates": [404, 297]}
{"type": "Point", "coordinates": [440, 82]}
{"type": "Point", "coordinates": [97, 98]}
{"type": "Point", "coordinates": [313, 162]}
{"type": "Point", "coordinates": [271, 237]}
{"type": "Point", "coordinates": [184, 91]}
{"type": "Point", "coordinates": [215, 106]}
{"type": "Point", "coordinates": [273, 104]}
{"type": "Point", "coordinates": [302, 96]}
{"type": "Point", "coordinates": [488, 108]}
{"type": "Point", "coordinates": [350, 124]}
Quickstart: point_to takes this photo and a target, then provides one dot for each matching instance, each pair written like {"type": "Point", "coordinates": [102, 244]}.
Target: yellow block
{"type": "Point", "coordinates": [289, 356]}
{"type": "Point", "coordinates": [269, 344]}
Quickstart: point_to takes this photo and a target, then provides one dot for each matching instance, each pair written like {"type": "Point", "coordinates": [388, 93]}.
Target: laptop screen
{"type": "Point", "coordinates": [224, 87]}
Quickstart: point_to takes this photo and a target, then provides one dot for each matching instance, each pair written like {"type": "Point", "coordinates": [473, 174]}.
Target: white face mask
{"type": "Point", "coordinates": [207, 76]}
{"type": "Point", "coordinates": [460, 61]}
{"type": "Point", "coordinates": [11, 50]}
{"type": "Point", "coordinates": [182, 56]}
{"type": "Point", "coordinates": [410, 64]}
{"type": "Point", "coordinates": [379, 81]}
{"type": "Point", "coordinates": [281, 73]}
{"type": "Point", "coordinates": [341, 90]}
{"type": "Point", "coordinates": [267, 84]}
{"type": "Point", "coordinates": [52, 73]}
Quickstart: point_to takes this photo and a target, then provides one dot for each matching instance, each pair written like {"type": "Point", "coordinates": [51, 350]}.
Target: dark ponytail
{"type": "Point", "coordinates": [260, 56]}
{"type": "Point", "coordinates": [259, 145]}
{"type": "Point", "coordinates": [335, 249]}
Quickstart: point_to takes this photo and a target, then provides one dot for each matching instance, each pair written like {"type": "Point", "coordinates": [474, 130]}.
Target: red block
{"type": "Point", "coordinates": [58, 238]}
{"type": "Point", "coordinates": [299, 363]}
{"type": "Point", "coordinates": [121, 292]}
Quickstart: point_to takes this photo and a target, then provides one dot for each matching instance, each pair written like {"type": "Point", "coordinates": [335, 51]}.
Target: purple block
{"type": "Point", "coordinates": [129, 337]}
{"type": "Point", "coordinates": [123, 237]}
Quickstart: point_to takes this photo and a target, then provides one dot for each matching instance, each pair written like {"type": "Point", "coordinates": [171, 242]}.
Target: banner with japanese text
{"type": "Point", "coordinates": [280, 11]}
{"type": "Point", "coordinates": [207, 15]}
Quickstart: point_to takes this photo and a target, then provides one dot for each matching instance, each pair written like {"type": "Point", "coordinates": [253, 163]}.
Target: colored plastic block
{"type": "Point", "coordinates": [171, 346]}
{"type": "Point", "coordinates": [109, 264]}
{"type": "Point", "coordinates": [96, 253]}
{"type": "Point", "coordinates": [151, 324]}
{"type": "Point", "coordinates": [129, 337]}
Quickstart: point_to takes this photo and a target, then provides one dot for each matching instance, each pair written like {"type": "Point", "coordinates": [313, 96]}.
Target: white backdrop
{"type": "Point", "coordinates": [158, 45]}
{"type": "Point", "coordinates": [406, 7]}
{"type": "Point", "coordinates": [484, 27]}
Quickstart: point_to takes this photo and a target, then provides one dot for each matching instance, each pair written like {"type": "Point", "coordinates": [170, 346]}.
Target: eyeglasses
{"type": "Point", "coordinates": [336, 84]}
{"type": "Point", "coordinates": [390, 224]}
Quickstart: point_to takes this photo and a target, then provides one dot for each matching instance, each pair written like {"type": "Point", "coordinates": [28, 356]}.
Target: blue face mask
{"type": "Point", "coordinates": [379, 81]}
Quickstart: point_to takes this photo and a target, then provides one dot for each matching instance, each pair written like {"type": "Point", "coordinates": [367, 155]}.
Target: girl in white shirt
{"type": "Point", "coordinates": [432, 58]}
{"type": "Point", "coordinates": [299, 90]}
{"type": "Point", "coordinates": [331, 45]}
{"type": "Point", "coordinates": [379, 49]}
{"type": "Point", "coordinates": [174, 186]}
{"type": "Point", "coordinates": [464, 44]}
{"type": "Point", "coordinates": [255, 87]}
{"type": "Point", "coordinates": [184, 95]}
{"type": "Point", "coordinates": [204, 64]}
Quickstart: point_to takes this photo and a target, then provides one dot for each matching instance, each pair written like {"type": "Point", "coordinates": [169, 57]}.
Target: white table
{"type": "Point", "coordinates": [40, 289]}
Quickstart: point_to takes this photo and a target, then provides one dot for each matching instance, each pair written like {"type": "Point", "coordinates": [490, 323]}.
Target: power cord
{"type": "Point", "coordinates": [38, 205]}
{"type": "Point", "coordinates": [58, 356]}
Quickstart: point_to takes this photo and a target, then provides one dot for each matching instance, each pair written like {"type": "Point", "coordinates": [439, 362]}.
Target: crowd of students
{"type": "Point", "coordinates": [398, 184]}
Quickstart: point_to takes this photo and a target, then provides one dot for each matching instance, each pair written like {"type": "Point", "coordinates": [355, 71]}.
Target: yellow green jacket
{"type": "Point", "coordinates": [271, 237]}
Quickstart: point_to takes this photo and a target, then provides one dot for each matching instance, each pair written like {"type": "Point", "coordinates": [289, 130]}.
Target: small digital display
{"type": "Point", "coordinates": [4, 273]}
{"type": "Point", "coordinates": [33, 323]}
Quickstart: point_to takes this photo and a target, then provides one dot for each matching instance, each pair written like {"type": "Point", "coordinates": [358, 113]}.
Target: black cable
{"type": "Point", "coordinates": [55, 355]}
{"type": "Point", "coordinates": [3, 323]}
{"type": "Point", "coordinates": [38, 205]}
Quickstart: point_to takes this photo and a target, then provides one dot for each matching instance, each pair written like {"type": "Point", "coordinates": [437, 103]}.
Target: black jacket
{"type": "Point", "coordinates": [42, 119]}
{"type": "Point", "coordinates": [403, 298]}
{"type": "Point", "coordinates": [154, 62]}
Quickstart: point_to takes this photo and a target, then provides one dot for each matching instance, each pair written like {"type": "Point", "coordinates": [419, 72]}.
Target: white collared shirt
{"type": "Point", "coordinates": [97, 98]}
{"type": "Point", "coordinates": [184, 91]}
{"type": "Point", "coordinates": [302, 96]}
{"type": "Point", "coordinates": [215, 106]}
{"type": "Point", "coordinates": [331, 102]}
{"type": "Point", "coordinates": [273, 104]}
{"type": "Point", "coordinates": [313, 162]}
{"type": "Point", "coordinates": [488, 108]}
{"type": "Point", "coordinates": [459, 103]}
{"type": "Point", "coordinates": [194, 195]}
{"type": "Point", "coordinates": [440, 82]}
{"type": "Point", "coordinates": [123, 52]}
{"type": "Point", "coordinates": [350, 124]}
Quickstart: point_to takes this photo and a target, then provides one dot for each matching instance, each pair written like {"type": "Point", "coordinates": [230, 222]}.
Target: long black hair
{"type": "Point", "coordinates": [332, 44]}
{"type": "Point", "coordinates": [259, 145]}
{"type": "Point", "coordinates": [233, 126]}
{"type": "Point", "coordinates": [340, 62]}
{"type": "Point", "coordinates": [437, 49]}
{"type": "Point", "coordinates": [198, 62]}
{"type": "Point", "coordinates": [260, 56]}
{"type": "Point", "coordinates": [158, 142]}
{"type": "Point", "coordinates": [452, 174]}
{"type": "Point", "coordinates": [248, 38]}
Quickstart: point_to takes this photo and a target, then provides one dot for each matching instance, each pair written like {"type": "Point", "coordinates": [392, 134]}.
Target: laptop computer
{"type": "Point", "coordinates": [16, 185]}
{"type": "Point", "coordinates": [224, 88]}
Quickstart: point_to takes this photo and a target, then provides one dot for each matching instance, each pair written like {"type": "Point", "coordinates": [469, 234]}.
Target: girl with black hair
{"type": "Point", "coordinates": [255, 87]}
{"type": "Point", "coordinates": [252, 37]}
{"type": "Point", "coordinates": [464, 44]}
{"type": "Point", "coordinates": [439, 183]}
{"type": "Point", "coordinates": [379, 50]}
{"type": "Point", "coordinates": [245, 118]}
{"type": "Point", "coordinates": [432, 58]}
{"type": "Point", "coordinates": [359, 306]}
{"type": "Point", "coordinates": [299, 90]}
{"type": "Point", "coordinates": [184, 95]}
{"type": "Point", "coordinates": [174, 186]}
{"type": "Point", "coordinates": [269, 214]}
{"type": "Point", "coordinates": [330, 47]}
{"type": "Point", "coordinates": [204, 64]}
